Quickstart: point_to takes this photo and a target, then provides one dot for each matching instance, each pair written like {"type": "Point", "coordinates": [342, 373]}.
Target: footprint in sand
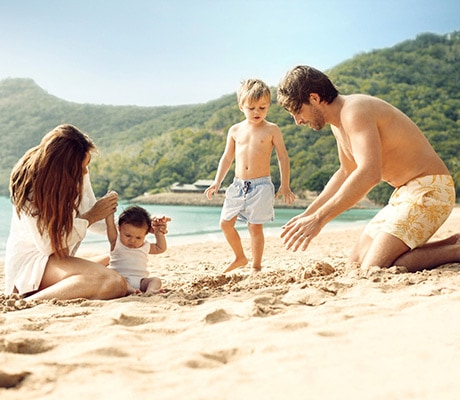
{"type": "Point", "coordinates": [214, 360]}
{"type": "Point", "coordinates": [264, 306]}
{"type": "Point", "coordinates": [131, 320]}
{"type": "Point", "coordinates": [24, 345]}
{"type": "Point", "coordinates": [12, 380]}
{"type": "Point", "coordinates": [308, 296]}
{"type": "Point", "coordinates": [217, 316]}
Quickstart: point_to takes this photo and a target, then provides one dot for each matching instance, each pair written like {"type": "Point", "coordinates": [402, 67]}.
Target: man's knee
{"type": "Point", "coordinates": [384, 251]}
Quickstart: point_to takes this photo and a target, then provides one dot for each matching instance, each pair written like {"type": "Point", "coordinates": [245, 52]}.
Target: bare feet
{"type": "Point", "coordinates": [455, 238]}
{"type": "Point", "coordinates": [131, 290]}
{"type": "Point", "coordinates": [238, 262]}
{"type": "Point", "coordinates": [256, 270]}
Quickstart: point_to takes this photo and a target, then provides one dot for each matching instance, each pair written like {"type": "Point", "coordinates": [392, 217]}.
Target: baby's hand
{"type": "Point", "coordinates": [111, 193]}
{"type": "Point", "coordinates": [159, 225]}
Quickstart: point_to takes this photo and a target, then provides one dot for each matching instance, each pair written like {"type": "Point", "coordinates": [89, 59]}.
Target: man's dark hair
{"type": "Point", "coordinates": [296, 87]}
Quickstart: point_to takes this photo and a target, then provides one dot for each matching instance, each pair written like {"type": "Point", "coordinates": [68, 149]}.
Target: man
{"type": "Point", "coordinates": [375, 142]}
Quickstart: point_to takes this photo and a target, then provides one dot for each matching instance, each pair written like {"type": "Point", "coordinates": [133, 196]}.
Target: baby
{"type": "Point", "coordinates": [129, 249]}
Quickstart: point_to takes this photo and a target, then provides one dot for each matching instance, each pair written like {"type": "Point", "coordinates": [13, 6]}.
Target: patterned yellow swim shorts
{"type": "Point", "coordinates": [416, 210]}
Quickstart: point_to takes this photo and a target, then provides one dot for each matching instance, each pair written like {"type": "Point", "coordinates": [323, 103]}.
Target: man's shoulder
{"type": "Point", "coordinates": [359, 100]}
{"type": "Point", "coordinates": [358, 106]}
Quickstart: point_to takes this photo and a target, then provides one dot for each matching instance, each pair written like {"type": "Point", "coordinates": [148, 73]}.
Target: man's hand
{"type": "Point", "coordinates": [299, 232]}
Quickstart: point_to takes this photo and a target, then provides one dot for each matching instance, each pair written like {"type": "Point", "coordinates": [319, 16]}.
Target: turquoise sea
{"type": "Point", "coordinates": [190, 224]}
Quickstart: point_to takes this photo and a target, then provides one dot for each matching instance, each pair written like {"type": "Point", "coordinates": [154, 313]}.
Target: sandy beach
{"type": "Point", "coordinates": [306, 327]}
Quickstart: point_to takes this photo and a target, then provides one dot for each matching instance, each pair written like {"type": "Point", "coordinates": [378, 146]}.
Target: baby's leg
{"type": "Point", "coordinates": [151, 285]}
{"type": "Point", "coordinates": [131, 290]}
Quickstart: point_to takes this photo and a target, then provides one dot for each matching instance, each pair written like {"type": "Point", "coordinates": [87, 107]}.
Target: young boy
{"type": "Point", "coordinates": [250, 198]}
{"type": "Point", "coordinates": [129, 250]}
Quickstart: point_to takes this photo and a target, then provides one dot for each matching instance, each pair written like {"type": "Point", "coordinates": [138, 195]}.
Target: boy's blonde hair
{"type": "Point", "coordinates": [252, 90]}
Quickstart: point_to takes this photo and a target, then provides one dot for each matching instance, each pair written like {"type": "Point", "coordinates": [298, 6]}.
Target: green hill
{"type": "Point", "coordinates": [149, 148]}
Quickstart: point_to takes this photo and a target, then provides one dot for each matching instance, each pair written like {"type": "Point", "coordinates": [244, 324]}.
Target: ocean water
{"type": "Point", "coordinates": [190, 224]}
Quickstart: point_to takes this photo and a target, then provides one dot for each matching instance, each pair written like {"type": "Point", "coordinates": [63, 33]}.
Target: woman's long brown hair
{"type": "Point", "coordinates": [47, 183]}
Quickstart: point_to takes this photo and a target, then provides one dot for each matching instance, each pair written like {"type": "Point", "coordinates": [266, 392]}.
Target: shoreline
{"type": "Point", "coordinates": [199, 199]}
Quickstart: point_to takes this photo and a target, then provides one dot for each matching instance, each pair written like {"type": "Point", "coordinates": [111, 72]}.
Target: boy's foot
{"type": "Point", "coordinates": [256, 270]}
{"type": "Point", "coordinates": [239, 262]}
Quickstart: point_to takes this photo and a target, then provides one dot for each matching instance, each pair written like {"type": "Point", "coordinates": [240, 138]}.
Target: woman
{"type": "Point", "coordinates": [54, 206]}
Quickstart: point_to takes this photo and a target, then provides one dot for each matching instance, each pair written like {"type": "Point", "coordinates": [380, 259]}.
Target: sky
{"type": "Point", "coordinates": [172, 52]}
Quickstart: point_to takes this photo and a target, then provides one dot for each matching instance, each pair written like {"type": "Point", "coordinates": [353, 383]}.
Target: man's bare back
{"type": "Point", "coordinates": [404, 150]}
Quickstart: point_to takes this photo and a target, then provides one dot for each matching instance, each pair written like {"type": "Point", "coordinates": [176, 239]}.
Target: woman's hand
{"type": "Point", "coordinates": [102, 208]}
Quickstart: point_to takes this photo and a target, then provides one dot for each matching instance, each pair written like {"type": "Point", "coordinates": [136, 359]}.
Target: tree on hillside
{"type": "Point", "coordinates": [146, 149]}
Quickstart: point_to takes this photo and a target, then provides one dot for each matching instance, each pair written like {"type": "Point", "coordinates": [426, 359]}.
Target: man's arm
{"type": "Point", "coordinates": [363, 171]}
{"type": "Point", "coordinates": [358, 174]}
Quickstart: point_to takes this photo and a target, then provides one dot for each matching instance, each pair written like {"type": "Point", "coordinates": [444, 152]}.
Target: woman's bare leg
{"type": "Point", "coordinates": [72, 278]}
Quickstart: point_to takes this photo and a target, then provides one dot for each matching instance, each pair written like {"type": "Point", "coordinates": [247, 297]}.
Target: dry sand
{"type": "Point", "coordinates": [305, 328]}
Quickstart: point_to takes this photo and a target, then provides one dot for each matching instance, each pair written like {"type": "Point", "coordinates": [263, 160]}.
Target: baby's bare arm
{"type": "Point", "coordinates": [112, 233]}
{"type": "Point", "coordinates": [159, 227]}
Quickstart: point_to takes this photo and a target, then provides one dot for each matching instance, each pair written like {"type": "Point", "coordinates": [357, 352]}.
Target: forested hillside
{"type": "Point", "coordinates": [149, 148]}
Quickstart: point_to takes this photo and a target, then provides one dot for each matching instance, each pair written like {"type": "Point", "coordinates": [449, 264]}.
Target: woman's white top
{"type": "Point", "coordinates": [27, 251]}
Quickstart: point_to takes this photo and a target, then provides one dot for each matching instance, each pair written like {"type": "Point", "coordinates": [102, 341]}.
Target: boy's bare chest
{"type": "Point", "coordinates": [253, 139]}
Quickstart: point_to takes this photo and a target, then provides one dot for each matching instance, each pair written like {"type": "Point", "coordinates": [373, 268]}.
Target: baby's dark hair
{"type": "Point", "coordinates": [135, 215]}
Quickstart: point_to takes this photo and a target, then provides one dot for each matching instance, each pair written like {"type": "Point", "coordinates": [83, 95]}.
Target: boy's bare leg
{"type": "Point", "coordinates": [257, 244]}
{"type": "Point", "coordinates": [234, 240]}
{"type": "Point", "coordinates": [151, 285]}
